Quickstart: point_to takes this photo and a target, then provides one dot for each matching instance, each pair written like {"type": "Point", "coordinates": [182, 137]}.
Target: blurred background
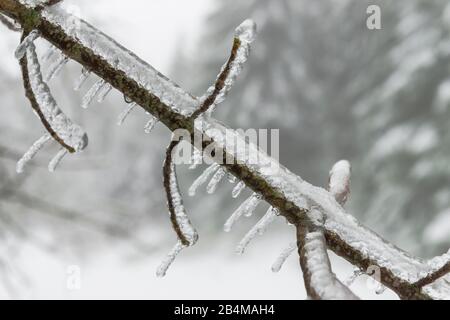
{"type": "Point", "coordinates": [334, 88]}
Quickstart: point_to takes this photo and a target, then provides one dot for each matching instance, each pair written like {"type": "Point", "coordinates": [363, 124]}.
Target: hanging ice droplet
{"type": "Point", "coordinates": [56, 68]}
{"type": "Point", "coordinates": [82, 79]}
{"type": "Point", "coordinates": [352, 278]}
{"type": "Point", "coordinates": [105, 90]}
{"type": "Point", "coordinates": [150, 125]}
{"type": "Point", "coordinates": [246, 208]}
{"type": "Point", "coordinates": [93, 91]}
{"type": "Point", "coordinates": [197, 159]}
{"type": "Point", "coordinates": [215, 180]}
{"type": "Point", "coordinates": [238, 189]}
{"type": "Point", "coordinates": [57, 160]}
{"type": "Point", "coordinates": [31, 153]}
{"type": "Point", "coordinates": [203, 178]}
{"type": "Point", "coordinates": [125, 113]}
{"type": "Point", "coordinates": [258, 229]}
{"type": "Point", "coordinates": [167, 262]}
{"type": "Point", "coordinates": [23, 46]}
{"type": "Point", "coordinates": [285, 254]}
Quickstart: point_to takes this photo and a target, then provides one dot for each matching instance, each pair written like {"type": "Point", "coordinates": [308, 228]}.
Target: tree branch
{"type": "Point", "coordinates": [320, 281]}
{"type": "Point", "coordinates": [291, 195]}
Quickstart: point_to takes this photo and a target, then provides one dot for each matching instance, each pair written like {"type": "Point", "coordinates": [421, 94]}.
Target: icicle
{"type": "Point", "coordinates": [167, 262]}
{"type": "Point", "coordinates": [203, 178]}
{"type": "Point", "coordinates": [244, 35]}
{"type": "Point", "coordinates": [49, 53]}
{"type": "Point", "coordinates": [351, 279]}
{"type": "Point", "coordinates": [125, 113]}
{"type": "Point", "coordinates": [82, 79]}
{"type": "Point", "coordinates": [197, 159]}
{"type": "Point", "coordinates": [258, 229]}
{"type": "Point", "coordinates": [55, 68]}
{"type": "Point", "coordinates": [150, 124]}
{"type": "Point", "coordinates": [22, 48]}
{"type": "Point", "coordinates": [31, 153]}
{"type": "Point", "coordinates": [106, 89]}
{"type": "Point", "coordinates": [276, 267]}
{"type": "Point", "coordinates": [238, 189]}
{"type": "Point", "coordinates": [214, 183]}
{"type": "Point", "coordinates": [231, 179]}
{"type": "Point", "coordinates": [93, 91]}
{"type": "Point", "coordinates": [57, 160]}
{"type": "Point", "coordinates": [246, 208]}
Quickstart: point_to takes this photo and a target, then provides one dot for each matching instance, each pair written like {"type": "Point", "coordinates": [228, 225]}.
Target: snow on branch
{"type": "Point", "coordinates": [174, 107]}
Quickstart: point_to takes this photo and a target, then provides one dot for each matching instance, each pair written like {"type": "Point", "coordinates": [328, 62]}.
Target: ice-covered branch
{"type": "Point", "coordinates": [244, 35]}
{"type": "Point", "coordinates": [320, 281]}
{"type": "Point", "coordinates": [69, 135]}
{"type": "Point", "coordinates": [180, 221]}
{"type": "Point", "coordinates": [282, 189]}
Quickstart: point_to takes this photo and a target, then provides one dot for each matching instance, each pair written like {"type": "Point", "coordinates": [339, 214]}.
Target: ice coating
{"type": "Point", "coordinates": [203, 178]}
{"type": "Point", "coordinates": [31, 153]}
{"type": "Point", "coordinates": [71, 134]}
{"type": "Point", "coordinates": [188, 231]}
{"type": "Point", "coordinates": [244, 35]}
{"type": "Point", "coordinates": [318, 268]}
{"type": "Point", "coordinates": [246, 208]}
{"type": "Point", "coordinates": [246, 32]}
{"type": "Point", "coordinates": [22, 48]}
{"type": "Point", "coordinates": [339, 184]}
{"type": "Point", "coordinates": [258, 229]}
{"type": "Point", "coordinates": [169, 93]}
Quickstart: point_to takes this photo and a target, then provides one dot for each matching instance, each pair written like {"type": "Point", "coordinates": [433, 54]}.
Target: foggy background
{"type": "Point", "coordinates": [379, 98]}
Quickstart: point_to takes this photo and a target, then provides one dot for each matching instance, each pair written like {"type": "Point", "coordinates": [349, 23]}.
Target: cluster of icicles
{"type": "Point", "coordinates": [212, 177]}
{"type": "Point", "coordinates": [71, 134]}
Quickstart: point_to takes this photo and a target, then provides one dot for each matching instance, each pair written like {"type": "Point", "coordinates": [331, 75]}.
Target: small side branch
{"type": "Point", "coordinates": [35, 104]}
{"type": "Point", "coordinates": [180, 221]}
{"type": "Point", "coordinates": [244, 36]}
{"type": "Point", "coordinates": [438, 273]}
{"type": "Point", "coordinates": [9, 24]}
{"type": "Point", "coordinates": [320, 281]}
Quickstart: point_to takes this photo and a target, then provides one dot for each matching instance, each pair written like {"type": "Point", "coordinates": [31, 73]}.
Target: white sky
{"type": "Point", "coordinates": [151, 29]}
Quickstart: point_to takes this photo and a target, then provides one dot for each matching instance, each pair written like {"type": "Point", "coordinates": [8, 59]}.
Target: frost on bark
{"type": "Point", "coordinates": [293, 198]}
